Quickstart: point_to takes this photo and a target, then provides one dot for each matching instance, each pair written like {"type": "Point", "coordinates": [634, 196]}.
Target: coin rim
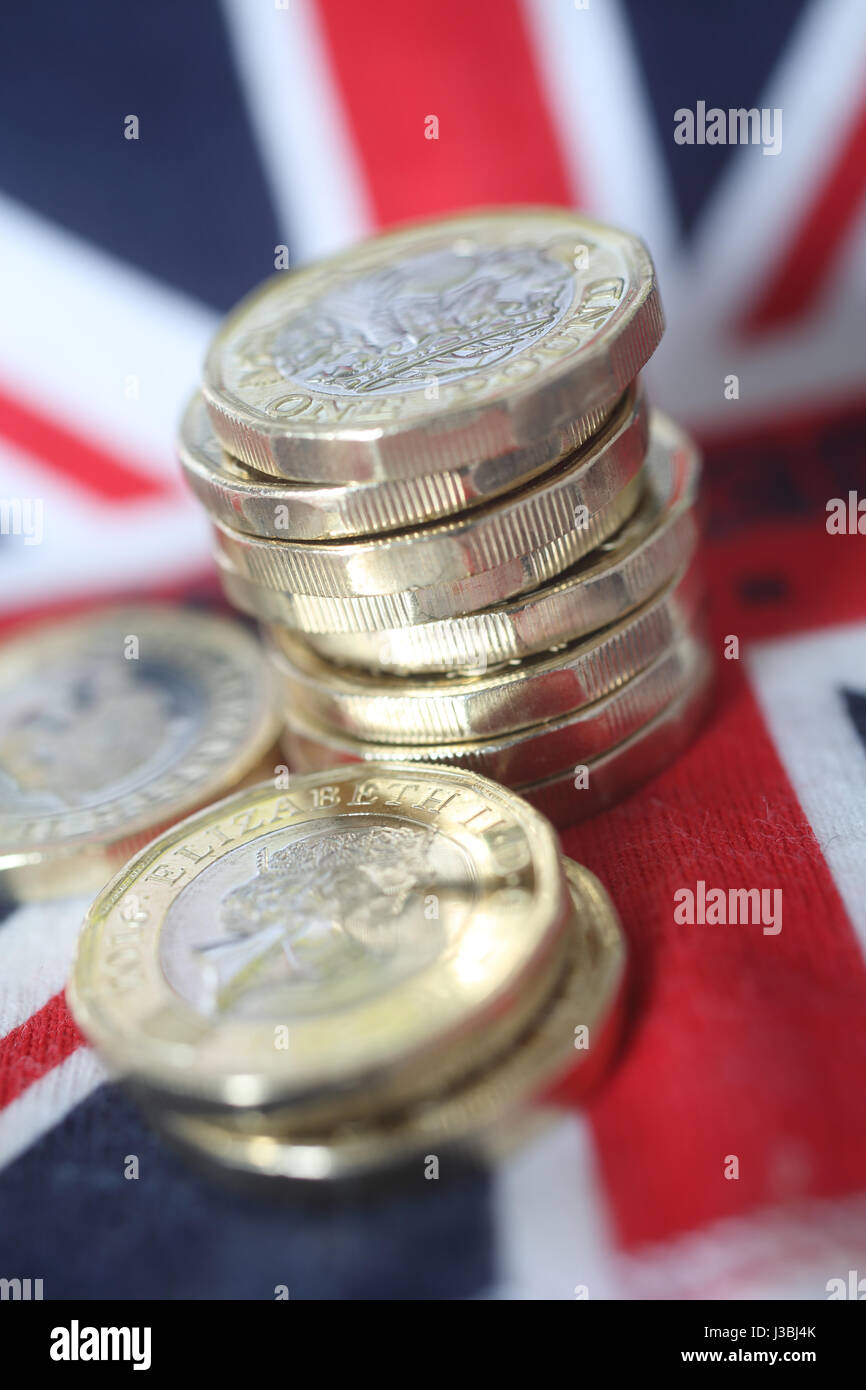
{"type": "Point", "coordinates": [175, 1068]}
{"type": "Point", "coordinates": [641, 558]}
{"type": "Point", "coordinates": [594, 374]}
{"type": "Point", "coordinates": [442, 710]}
{"type": "Point", "coordinates": [485, 1113]}
{"type": "Point", "coordinates": [235, 494]}
{"type": "Point", "coordinates": [260, 733]}
{"type": "Point", "coordinates": [519, 538]}
{"type": "Point", "coordinates": [622, 770]}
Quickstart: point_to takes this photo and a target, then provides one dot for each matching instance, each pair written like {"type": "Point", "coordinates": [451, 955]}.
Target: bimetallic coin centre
{"type": "Point", "coordinates": [359, 933]}
{"type": "Point", "coordinates": [303, 923]}
{"type": "Point", "coordinates": [122, 720]}
{"type": "Point", "coordinates": [93, 726]}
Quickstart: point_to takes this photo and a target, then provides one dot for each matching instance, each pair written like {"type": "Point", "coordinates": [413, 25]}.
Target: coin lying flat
{"type": "Point", "coordinates": [620, 575]}
{"type": "Point", "coordinates": [482, 1114]}
{"type": "Point", "coordinates": [276, 509]}
{"type": "Point", "coordinates": [491, 553]}
{"type": "Point", "coordinates": [489, 336]}
{"type": "Point", "coordinates": [114, 724]}
{"type": "Point", "coordinates": [439, 709]}
{"type": "Point", "coordinates": [356, 938]}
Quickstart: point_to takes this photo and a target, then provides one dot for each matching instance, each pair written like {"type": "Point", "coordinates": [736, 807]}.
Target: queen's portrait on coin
{"type": "Point", "coordinates": [342, 914]}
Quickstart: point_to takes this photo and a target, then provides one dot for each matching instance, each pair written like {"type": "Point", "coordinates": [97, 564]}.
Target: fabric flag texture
{"type": "Point", "coordinates": [303, 126]}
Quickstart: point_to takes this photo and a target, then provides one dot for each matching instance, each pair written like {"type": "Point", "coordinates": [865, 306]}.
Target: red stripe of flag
{"type": "Point", "coordinates": [773, 567]}
{"type": "Point", "coordinates": [803, 580]}
{"type": "Point", "coordinates": [30, 1051]}
{"type": "Point", "coordinates": [74, 457]}
{"type": "Point", "coordinates": [200, 588]}
{"type": "Point", "coordinates": [469, 65]}
{"type": "Point", "coordinates": [742, 1044]}
{"type": "Point", "coordinates": [802, 273]}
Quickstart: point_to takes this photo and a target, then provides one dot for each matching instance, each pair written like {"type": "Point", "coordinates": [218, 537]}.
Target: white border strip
{"type": "Point", "coordinates": [306, 145]}
{"type": "Point", "coordinates": [788, 1252]}
{"type": "Point", "coordinates": [77, 325]}
{"type": "Point", "coordinates": [48, 1101]}
{"type": "Point", "coordinates": [551, 1218]}
{"type": "Point", "coordinates": [797, 683]}
{"type": "Point", "coordinates": [761, 199]}
{"type": "Point", "coordinates": [92, 547]}
{"type": "Point", "coordinates": [37, 947]}
{"type": "Point", "coordinates": [602, 118]}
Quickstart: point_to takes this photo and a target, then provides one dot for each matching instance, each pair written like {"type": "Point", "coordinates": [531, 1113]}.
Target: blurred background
{"type": "Point", "coordinates": [304, 125]}
{"type": "Point", "coordinates": [156, 161]}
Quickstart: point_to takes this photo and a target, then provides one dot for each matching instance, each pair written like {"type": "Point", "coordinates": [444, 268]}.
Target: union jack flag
{"type": "Point", "coordinates": [263, 125]}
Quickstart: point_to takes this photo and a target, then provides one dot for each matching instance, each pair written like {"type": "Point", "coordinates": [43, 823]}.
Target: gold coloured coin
{"type": "Point", "coordinates": [562, 765]}
{"type": "Point", "coordinates": [277, 509]}
{"type": "Point", "coordinates": [483, 1115]}
{"type": "Point", "coordinates": [510, 545]}
{"type": "Point", "coordinates": [530, 753]}
{"type": "Point", "coordinates": [349, 941]}
{"type": "Point", "coordinates": [576, 793]}
{"type": "Point", "coordinates": [600, 677]}
{"type": "Point", "coordinates": [492, 336]}
{"type": "Point", "coordinates": [117, 723]}
{"type": "Point", "coordinates": [616, 578]}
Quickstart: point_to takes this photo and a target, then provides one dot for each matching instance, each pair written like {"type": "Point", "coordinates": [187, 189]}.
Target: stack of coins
{"type": "Point", "coordinates": [387, 962]}
{"type": "Point", "coordinates": [433, 475]}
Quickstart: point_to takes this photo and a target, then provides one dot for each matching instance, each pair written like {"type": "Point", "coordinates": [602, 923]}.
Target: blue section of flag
{"type": "Point", "coordinates": [855, 705]}
{"type": "Point", "coordinates": [8, 902]}
{"type": "Point", "coordinates": [69, 1216]}
{"type": "Point", "coordinates": [720, 54]}
{"type": "Point", "coordinates": [187, 202]}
